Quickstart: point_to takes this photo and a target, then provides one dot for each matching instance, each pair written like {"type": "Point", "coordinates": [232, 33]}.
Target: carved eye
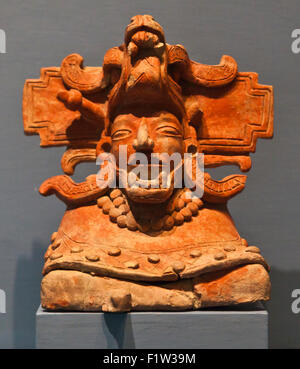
{"type": "Point", "coordinates": [121, 134]}
{"type": "Point", "coordinates": [169, 131]}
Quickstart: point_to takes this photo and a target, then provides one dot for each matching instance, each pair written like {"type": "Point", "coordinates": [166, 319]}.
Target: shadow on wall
{"type": "Point", "coordinates": [27, 296]}
{"type": "Point", "coordinates": [118, 331]}
{"type": "Point", "coordinates": [284, 325]}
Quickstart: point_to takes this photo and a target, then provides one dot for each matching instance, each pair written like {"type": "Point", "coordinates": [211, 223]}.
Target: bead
{"type": "Point", "coordinates": [102, 200]}
{"type": "Point", "coordinates": [114, 213]}
{"type": "Point", "coordinates": [124, 208]}
{"type": "Point", "coordinates": [193, 208]}
{"type": "Point", "coordinates": [157, 226]}
{"type": "Point", "coordinates": [122, 221]}
{"type": "Point", "coordinates": [198, 202]}
{"type": "Point", "coordinates": [178, 219]}
{"type": "Point", "coordinates": [118, 201]}
{"type": "Point", "coordinates": [179, 204]}
{"type": "Point", "coordinates": [131, 222]}
{"type": "Point", "coordinates": [107, 206]}
{"type": "Point", "coordinates": [187, 214]}
{"type": "Point", "coordinates": [115, 193]}
{"type": "Point", "coordinates": [168, 222]}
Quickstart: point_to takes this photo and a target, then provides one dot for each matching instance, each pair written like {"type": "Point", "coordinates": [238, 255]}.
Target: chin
{"type": "Point", "coordinates": [149, 195]}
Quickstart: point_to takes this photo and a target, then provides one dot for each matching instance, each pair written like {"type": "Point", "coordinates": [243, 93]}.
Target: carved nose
{"type": "Point", "coordinates": [143, 142]}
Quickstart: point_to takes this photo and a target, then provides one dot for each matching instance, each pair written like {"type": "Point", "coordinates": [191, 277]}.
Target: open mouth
{"type": "Point", "coordinates": [146, 29]}
{"type": "Point", "coordinates": [146, 177]}
{"type": "Point", "coordinates": [149, 177]}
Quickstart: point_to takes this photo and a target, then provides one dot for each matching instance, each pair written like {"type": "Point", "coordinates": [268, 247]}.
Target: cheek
{"type": "Point", "coordinates": [169, 145]}
{"type": "Point", "coordinates": [117, 151]}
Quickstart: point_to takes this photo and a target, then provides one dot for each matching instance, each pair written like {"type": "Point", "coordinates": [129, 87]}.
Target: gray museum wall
{"type": "Point", "coordinates": [40, 33]}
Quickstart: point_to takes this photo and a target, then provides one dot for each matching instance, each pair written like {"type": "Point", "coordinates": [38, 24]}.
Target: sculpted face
{"type": "Point", "coordinates": [156, 133]}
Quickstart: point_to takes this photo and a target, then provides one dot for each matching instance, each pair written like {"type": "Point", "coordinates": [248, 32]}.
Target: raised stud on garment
{"type": "Point", "coordinates": [154, 259]}
{"type": "Point", "coordinates": [53, 236]}
{"type": "Point", "coordinates": [114, 251]}
{"type": "Point", "coordinates": [55, 245]}
{"type": "Point", "coordinates": [229, 248]}
{"type": "Point", "coordinates": [92, 258]}
{"type": "Point", "coordinates": [254, 249]}
{"type": "Point", "coordinates": [56, 256]}
{"type": "Point", "coordinates": [220, 256]}
{"type": "Point", "coordinates": [195, 253]}
{"type": "Point", "coordinates": [132, 264]}
{"type": "Point", "coordinates": [76, 249]}
{"type": "Point", "coordinates": [178, 266]}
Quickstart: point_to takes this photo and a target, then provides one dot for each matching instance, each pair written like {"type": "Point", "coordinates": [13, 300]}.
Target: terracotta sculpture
{"type": "Point", "coordinates": [133, 248]}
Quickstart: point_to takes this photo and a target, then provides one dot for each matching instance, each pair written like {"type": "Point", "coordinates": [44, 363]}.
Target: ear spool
{"type": "Point", "coordinates": [104, 144]}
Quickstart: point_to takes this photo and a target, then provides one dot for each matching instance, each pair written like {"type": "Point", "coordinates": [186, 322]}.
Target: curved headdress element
{"type": "Point", "coordinates": [223, 112]}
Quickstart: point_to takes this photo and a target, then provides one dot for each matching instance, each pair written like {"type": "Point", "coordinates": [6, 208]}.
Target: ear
{"type": "Point", "coordinates": [104, 145]}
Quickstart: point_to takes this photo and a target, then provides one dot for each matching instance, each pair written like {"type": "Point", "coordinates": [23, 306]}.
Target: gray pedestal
{"type": "Point", "coordinates": [243, 327]}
